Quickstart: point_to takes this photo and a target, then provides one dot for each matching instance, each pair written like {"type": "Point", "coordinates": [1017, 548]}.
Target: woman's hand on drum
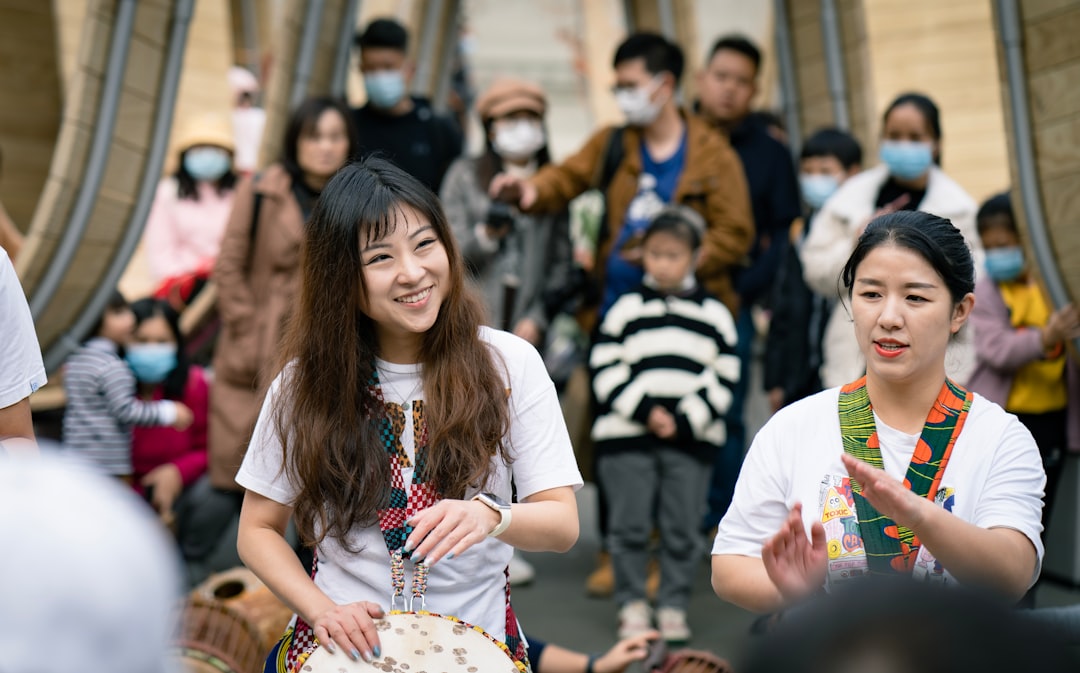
{"type": "Point", "coordinates": [795, 564]}
{"type": "Point", "coordinates": [448, 528]}
{"type": "Point", "coordinates": [888, 495]}
{"type": "Point", "coordinates": [350, 627]}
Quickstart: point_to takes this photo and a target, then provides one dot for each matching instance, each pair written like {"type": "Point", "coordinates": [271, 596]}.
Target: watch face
{"type": "Point", "coordinates": [495, 500]}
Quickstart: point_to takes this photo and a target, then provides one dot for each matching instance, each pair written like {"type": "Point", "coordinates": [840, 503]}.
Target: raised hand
{"type": "Point", "coordinates": [886, 494]}
{"type": "Point", "coordinates": [512, 189]}
{"type": "Point", "coordinates": [795, 564]}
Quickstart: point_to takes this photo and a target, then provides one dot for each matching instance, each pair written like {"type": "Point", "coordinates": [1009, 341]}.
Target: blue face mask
{"type": "Point", "coordinates": [906, 160]}
{"type": "Point", "coordinates": [384, 88]}
{"type": "Point", "coordinates": [151, 362]}
{"type": "Point", "coordinates": [1005, 264]}
{"type": "Point", "coordinates": [816, 189]}
{"type": "Point", "coordinates": [207, 163]}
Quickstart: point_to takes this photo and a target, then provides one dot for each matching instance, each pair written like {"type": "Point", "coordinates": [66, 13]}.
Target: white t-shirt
{"type": "Point", "coordinates": [21, 369]}
{"type": "Point", "coordinates": [472, 586]}
{"type": "Point", "coordinates": [994, 478]}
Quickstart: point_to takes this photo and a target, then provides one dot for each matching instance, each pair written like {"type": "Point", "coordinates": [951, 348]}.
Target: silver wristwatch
{"type": "Point", "coordinates": [499, 505]}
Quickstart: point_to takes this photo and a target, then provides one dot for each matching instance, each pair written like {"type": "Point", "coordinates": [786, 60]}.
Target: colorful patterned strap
{"type": "Point", "coordinates": [891, 548]}
{"type": "Point", "coordinates": [404, 504]}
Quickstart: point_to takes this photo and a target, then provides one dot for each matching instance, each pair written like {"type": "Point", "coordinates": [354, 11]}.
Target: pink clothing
{"type": "Point", "coordinates": [184, 235]}
{"type": "Point", "coordinates": [1001, 349]}
{"type": "Point", "coordinates": [155, 446]}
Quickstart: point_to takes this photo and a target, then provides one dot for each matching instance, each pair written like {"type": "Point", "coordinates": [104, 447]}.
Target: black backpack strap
{"type": "Point", "coordinates": [613, 156]}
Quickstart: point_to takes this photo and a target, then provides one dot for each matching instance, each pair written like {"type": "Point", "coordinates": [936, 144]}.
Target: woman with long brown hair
{"type": "Point", "coordinates": [394, 430]}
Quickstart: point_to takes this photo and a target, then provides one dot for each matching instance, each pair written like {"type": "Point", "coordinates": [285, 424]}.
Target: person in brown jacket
{"type": "Point", "coordinates": [256, 272]}
{"type": "Point", "coordinates": [668, 156]}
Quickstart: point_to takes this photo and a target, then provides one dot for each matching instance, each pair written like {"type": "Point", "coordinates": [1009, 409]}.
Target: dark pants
{"type": "Point", "coordinates": [728, 459]}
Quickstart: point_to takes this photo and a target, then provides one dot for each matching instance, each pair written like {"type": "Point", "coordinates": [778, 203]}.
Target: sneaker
{"type": "Point", "coordinates": [672, 625]}
{"type": "Point", "coordinates": [601, 582]}
{"type": "Point", "coordinates": [521, 571]}
{"type": "Point", "coordinates": [635, 618]}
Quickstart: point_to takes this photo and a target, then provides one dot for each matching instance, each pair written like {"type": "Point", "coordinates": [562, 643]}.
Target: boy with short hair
{"type": "Point", "coordinates": [793, 347]}
{"type": "Point", "coordinates": [664, 366]}
{"type": "Point", "coordinates": [101, 396]}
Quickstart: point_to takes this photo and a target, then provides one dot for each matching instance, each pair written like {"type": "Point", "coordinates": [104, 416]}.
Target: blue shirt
{"type": "Point", "coordinates": [656, 187]}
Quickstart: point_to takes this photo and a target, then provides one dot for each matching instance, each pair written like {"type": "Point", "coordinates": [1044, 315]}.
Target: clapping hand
{"type": "Point", "coordinates": [795, 564]}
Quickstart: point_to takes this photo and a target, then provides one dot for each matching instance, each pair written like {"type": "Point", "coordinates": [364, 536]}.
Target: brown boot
{"type": "Point", "coordinates": [652, 580]}
{"type": "Point", "coordinates": [601, 582]}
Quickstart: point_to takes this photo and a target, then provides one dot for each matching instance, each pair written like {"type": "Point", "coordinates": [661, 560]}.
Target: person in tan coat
{"type": "Point", "coordinates": [666, 157]}
{"type": "Point", "coordinates": [707, 174]}
{"type": "Point", "coordinates": [256, 272]}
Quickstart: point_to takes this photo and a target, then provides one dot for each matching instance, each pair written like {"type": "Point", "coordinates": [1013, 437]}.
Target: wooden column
{"type": "Point", "coordinates": [30, 85]}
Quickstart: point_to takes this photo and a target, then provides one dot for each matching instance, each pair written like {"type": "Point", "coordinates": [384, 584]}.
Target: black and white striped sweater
{"type": "Point", "coordinates": [676, 351]}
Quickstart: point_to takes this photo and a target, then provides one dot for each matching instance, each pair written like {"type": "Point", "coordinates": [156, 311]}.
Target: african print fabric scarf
{"type": "Point", "coordinates": [404, 504]}
{"type": "Point", "coordinates": [891, 548]}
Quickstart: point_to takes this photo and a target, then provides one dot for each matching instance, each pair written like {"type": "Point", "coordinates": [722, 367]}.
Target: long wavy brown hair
{"type": "Point", "coordinates": [327, 414]}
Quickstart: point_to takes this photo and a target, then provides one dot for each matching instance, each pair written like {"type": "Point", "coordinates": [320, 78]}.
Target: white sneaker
{"type": "Point", "coordinates": [521, 571]}
{"type": "Point", "coordinates": [635, 618]}
{"type": "Point", "coordinates": [672, 625]}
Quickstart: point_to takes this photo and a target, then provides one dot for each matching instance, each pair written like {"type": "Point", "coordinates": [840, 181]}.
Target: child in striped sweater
{"type": "Point", "coordinates": [663, 366]}
{"type": "Point", "coordinates": [101, 402]}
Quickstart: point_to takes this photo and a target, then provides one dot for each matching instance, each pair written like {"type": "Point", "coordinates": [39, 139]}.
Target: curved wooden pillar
{"type": "Point", "coordinates": [112, 137]}
{"type": "Point", "coordinates": [30, 120]}
{"type": "Point", "coordinates": [1042, 99]}
{"type": "Point", "coordinates": [306, 41]}
{"type": "Point", "coordinates": [818, 90]}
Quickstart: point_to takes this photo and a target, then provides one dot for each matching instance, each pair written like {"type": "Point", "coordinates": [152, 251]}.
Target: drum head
{"type": "Point", "coordinates": [414, 642]}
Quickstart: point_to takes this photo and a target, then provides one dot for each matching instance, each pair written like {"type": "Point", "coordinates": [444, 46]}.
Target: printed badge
{"type": "Point", "coordinates": [847, 555]}
{"type": "Point", "coordinates": [927, 567]}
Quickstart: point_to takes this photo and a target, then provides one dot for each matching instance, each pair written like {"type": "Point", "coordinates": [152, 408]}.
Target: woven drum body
{"type": "Point", "coordinates": [246, 595]}
{"type": "Point", "coordinates": [412, 642]}
{"type": "Point", "coordinates": [215, 638]}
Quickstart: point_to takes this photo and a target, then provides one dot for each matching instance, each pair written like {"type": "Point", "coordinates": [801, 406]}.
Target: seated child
{"type": "Point", "coordinates": [101, 401]}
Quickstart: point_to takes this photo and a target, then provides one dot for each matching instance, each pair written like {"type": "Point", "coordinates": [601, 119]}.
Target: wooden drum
{"type": "Point", "coordinates": [247, 596]}
{"type": "Point", "coordinates": [214, 638]}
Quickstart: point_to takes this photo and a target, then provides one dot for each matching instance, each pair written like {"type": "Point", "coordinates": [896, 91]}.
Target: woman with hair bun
{"type": "Point", "coordinates": [909, 177]}
{"type": "Point", "coordinates": [901, 472]}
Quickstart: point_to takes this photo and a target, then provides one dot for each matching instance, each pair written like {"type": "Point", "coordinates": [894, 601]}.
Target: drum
{"type": "Point", "coordinates": [214, 638]}
{"type": "Point", "coordinates": [421, 641]}
{"type": "Point", "coordinates": [694, 661]}
{"type": "Point", "coordinates": [249, 598]}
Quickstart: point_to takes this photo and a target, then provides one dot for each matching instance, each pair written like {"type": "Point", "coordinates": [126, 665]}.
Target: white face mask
{"type": "Point", "coordinates": [636, 104]}
{"type": "Point", "coordinates": [518, 140]}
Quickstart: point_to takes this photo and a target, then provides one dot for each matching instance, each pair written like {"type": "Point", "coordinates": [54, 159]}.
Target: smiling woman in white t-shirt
{"type": "Point", "coordinates": [21, 369]}
{"type": "Point", "coordinates": [953, 483]}
{"type": "Point", "coordinates": [394, 431]}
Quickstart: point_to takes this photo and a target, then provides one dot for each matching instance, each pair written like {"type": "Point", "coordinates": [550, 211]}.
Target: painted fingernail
{"type": "Point", "coordinates": [355, 654]}
{"type": "Point", "coordinates": [367, 656]}
{"type": "Point", "coordinates": [450, 556]}
{"type": "Point", "coordinates": [378, 652]}
{"type": "Point", "coordinates": [408, 547]}
{"type": "Point", "coordinates": [331, 647]}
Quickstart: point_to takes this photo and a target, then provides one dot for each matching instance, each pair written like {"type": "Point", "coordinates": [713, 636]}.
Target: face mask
{"type": "Point", "coordinates": [518, 140]}
{"type": "Point", "coordinates": [1005, 264]}
{"type": "Point", "coordinates": [151, 362]}
{"type": "Point", "coordinates": [207, 163]}
{"type": "Point", "coordinates": [906, 160]}
{"type": "Point", "coordinates": [636, 105]}
{"type": "Point", "coordinates": [385, 88]}
{"type": "Point", "coordinates": [816, 189]}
